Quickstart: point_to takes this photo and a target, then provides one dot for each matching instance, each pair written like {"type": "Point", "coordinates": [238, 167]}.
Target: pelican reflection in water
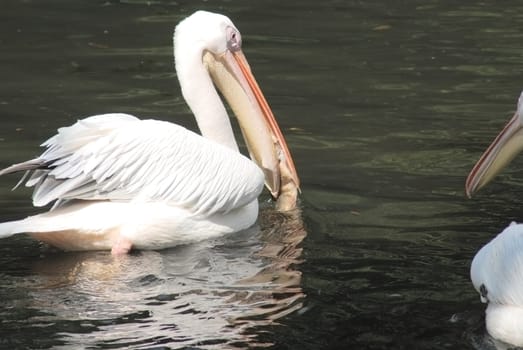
{"type": "Point", "coordinates": [221, 292]}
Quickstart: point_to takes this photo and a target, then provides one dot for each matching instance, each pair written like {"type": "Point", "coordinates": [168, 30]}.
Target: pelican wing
{"type": "Point", "coordinates": [121, 158]}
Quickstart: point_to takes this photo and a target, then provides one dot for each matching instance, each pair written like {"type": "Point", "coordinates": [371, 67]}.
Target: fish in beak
{"type": "Point", "coordinates": [505, 147]}
{"type": "Point", "coordinates": [232, 76]}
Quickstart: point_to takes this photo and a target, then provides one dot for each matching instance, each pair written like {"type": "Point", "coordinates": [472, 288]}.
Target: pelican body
{"type": "Point", "coordinates": [497, 269]}
{"type": "Point", "coordinates": [497, 274]}
{"type": "Point", "coordinates": [119, 182]}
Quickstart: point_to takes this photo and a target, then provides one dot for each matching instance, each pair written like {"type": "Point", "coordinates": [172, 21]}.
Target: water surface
{"type": "Point", "coordinates": [385, 105]}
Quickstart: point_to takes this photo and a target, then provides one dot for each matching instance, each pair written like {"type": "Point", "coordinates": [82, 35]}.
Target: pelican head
{"type": "Point", "coordinates": [208, 50]}
{"type": "Point", "coordinates": [499, 154]}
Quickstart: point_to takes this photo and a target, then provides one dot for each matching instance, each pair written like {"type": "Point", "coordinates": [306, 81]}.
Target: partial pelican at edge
{"type": "Point", "coordinates": [497, 268]}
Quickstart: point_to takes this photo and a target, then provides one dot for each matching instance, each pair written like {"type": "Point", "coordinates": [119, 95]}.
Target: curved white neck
{"type": "Point", "coordinates": [200, 94]}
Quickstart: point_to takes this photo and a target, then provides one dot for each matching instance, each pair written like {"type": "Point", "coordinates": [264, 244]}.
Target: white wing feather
{"type": "Point", "coordinates": [121, 158]}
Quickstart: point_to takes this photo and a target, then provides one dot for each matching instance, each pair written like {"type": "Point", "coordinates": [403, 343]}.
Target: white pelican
{"type": "Point", "coordinates": [497, 275]}
{"type": "Point", "coordinates": [497, 269]}
{"type": "Point", "coordinates": [119, 182]}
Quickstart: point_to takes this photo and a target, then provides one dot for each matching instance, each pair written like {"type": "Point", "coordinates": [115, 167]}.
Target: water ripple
{"type": "Point", "coordinates": [201, 295]}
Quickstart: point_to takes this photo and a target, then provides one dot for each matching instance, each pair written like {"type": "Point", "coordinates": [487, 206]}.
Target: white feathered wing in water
{"type": "Point", "coordinates": [120, 182]}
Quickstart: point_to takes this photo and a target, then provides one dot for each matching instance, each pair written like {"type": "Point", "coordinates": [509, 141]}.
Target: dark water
{"type": "Point", "coordinates": [386, 106]}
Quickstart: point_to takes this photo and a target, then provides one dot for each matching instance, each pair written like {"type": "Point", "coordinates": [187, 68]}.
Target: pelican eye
{"type": "Point", "coordinates": [234, 39]}
{"type": "Point", "coordinates": [483, 292]}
